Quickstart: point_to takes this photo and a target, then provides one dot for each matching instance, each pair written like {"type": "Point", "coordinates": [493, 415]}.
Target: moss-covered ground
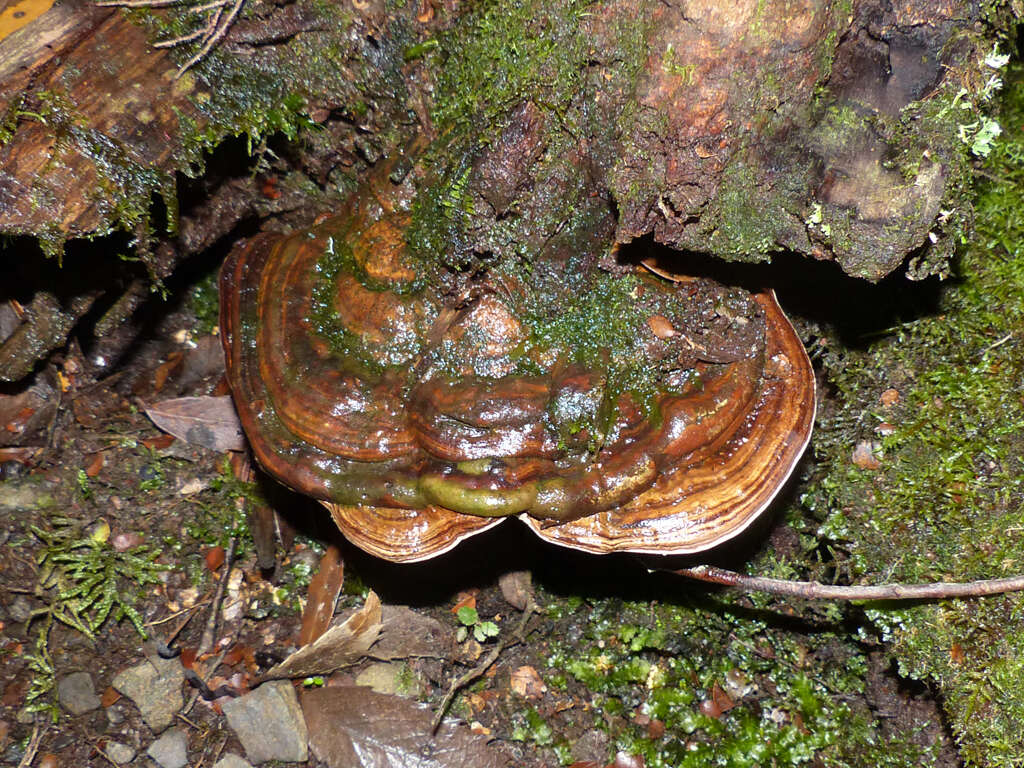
{"type": "Point", "coordinates": [940, 401]}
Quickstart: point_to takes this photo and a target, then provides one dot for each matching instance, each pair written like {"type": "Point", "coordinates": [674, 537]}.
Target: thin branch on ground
{"type": "Point", "coordinates": [813, 590]}
{"type": "Point", "coordinates": [33, 745]}
{"type": "Point", "coordinates": [465, 679]}
{"type": "Point", "coordinates": [206, 640]}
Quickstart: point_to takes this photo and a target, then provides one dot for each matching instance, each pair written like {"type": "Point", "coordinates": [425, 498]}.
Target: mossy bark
{"type": "Point", "coordinates": [735, 129]}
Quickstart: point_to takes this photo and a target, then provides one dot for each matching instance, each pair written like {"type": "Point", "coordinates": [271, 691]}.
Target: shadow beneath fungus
{"type": "Point", "coordinates": [810, 291]}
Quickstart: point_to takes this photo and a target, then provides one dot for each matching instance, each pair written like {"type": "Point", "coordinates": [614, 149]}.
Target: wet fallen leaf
{"type": "Point", "coordinates": [207, 421]}
{"type": "Point", "coordinates": [323, 593]}
{"type": "Point", "coordinates": [721, 698]}
{"type": "Point", "coordinates": [516, 587]}
{"type": "Point", "coordinates": [339, 646]}
{"type": "Point", "coordinates": [94, 467]}
{"type": "Point", "coordinates": [110, 696]}
{"type": "Point", "coordinates": [173, 362]}
{"type": "Point", "coordinates": [159, 443]}
{"type": "Point", "coordinates": [351, 726]}
{"type": "Point", "coordinates": [20, 454]}
{"type": "Point", "coordinates": [214, 558]}
{"type": "Point", "coordinates": [527, 683]}
{"type": "Point", "coordinates": [407, 634]}
{"type": "Point", "coordinates": [465, 599]}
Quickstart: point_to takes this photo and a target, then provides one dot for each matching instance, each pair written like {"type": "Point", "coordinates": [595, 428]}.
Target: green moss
{"type": "Point", "coordinates": [949, 493]}
{"type": "Point", "coordinates": [749, 216]}
{"type": "Point", "coordinates": [782, 697]}
{"type": "Point", "coordinates": [500, 54]}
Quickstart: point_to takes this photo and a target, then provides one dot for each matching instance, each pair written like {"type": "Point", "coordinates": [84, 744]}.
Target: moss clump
{"type": "Point", "coordinates": [728, 687]}
{"type": "Point", "coordinates": [949, 494]}
{"type": "Point", "coordinates": [500, 54]}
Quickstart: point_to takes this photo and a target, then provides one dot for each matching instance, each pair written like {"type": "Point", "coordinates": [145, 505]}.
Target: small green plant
{"type": "Point", "coordinates": [471, 622]}
{"type": "Point", "coordinates": [84, 490]}
{"type": "Point", "coordinates": [44, 680]}
{"type": "Point", "coordinates": [87, 577]}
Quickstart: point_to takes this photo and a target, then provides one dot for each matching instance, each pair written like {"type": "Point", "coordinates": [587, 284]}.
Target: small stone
{"type": "Point", "coordinates": [170, 750]}
{"type": "Point", "coordinates": [20, 610]}
{"type": "Point", "coordinates": [76, 694]}
{"type": "Point", "coordinates": [119, 753]}
{"type": "Point", "coordinates": [389, 677]}
{"type": "Point", "coordinates": [866, 455]}
{"type": "Point", "coordinates": [155, 687]}
{"type": "Point", "coordinates": [269, 723]}
{"type": "Point", "coordinates": [232, 761]}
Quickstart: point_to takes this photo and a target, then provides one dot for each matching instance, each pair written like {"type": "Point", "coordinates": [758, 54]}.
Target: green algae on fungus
{"type": "Point", "coordinates": [948, 495]}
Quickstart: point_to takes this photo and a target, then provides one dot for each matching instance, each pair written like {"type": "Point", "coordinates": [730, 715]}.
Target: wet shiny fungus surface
{"type": "Point", "coordinates": [611, 409]}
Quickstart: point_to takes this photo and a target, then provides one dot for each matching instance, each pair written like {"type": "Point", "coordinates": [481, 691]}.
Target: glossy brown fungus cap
{"type": "Point", "coordinates": [609, 410]}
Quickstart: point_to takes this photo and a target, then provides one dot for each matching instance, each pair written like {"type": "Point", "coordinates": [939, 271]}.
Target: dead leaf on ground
{"type": "Point", "coordinates": [21, 454]}
{"type": "Point", "coordinates": [866, 454]}
{"type": "Point", "coordinates": [465, 599]}
{"type": "Point", "coordinates": [406, 633]}
{"type": "Point", "coordinates": [323, 593]}
{"type": "Point", "coordinates": [527, 683]}
{"type": "Point", "coordinates": [350, 725]}
{"type": "Point", "coordinates": [95, 465]}
{"type": "Point", "coordinates": [339, 646]}
{"type": "Point", "coordinates": [207, 421]}
{"type": "Point", "coordinates": [516, 588]}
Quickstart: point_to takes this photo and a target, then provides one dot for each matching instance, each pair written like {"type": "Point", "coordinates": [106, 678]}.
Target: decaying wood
{"type": "Point", "coordinates": [713, 128]}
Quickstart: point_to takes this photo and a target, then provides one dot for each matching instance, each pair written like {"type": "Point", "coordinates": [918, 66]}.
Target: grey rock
{"type": "Point", "coordinates": [170, 750]}
{"type": "Point", "coordinates": [76, 694]}
{"type": "Point", "coordinates": [269, 723]}
{"type": "Point", "coordinates": [390, 677]}
{"type": "Point", "coordinates": [115, 715]}
{"type": "Point", "coordinates": [20, 610]}
{"type": "Point", "coordinates": [232, 761]}
{"type": "Point", "coordinates": [155, 687]}
{"type": "Point", "coordinates": [119, 753]}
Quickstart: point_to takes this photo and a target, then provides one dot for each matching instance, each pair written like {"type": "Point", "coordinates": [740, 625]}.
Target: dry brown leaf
{"type": "Point", "coordinates": [351, 725]}
{"type": "Point", "coordinates": [338, 647]}
{"type": "Point", "coordinates": [323, 593]}
{"type": "Point", "coordinates": [527, 683]}
{"type": "Point", "coordinates": [207, 421]}
{"type": "Point", "coordinates": [516, 588]}
{"type": "Point", "coordinates": [407, 634]}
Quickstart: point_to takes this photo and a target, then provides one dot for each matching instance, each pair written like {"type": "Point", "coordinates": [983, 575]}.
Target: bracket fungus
{"type": "Point", "coordinates": [609, 409]}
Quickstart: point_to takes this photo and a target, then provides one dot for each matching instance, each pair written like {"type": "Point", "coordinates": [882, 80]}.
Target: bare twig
{"type": "Point", "coordinates": [206, 640]}
{"type": "Point", "coordinates": [467, 678]}
{"type": "Point", "coordinates": [33, 745]}
{"type": "Point", "coordinates": [813, 590]}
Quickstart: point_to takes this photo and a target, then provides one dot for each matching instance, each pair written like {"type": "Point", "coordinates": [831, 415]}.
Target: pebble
{"type": "Point", "coordinates": [170, 750]}
{"type": "Point", "coordinates": [119, 753]}
{"type": "Point", "coordinates": [389, 677]}
{"type": "Point", "coordinates": [20, 609]}
{"type": "Point", "coordinates": [269, 723]}
{"type": "Point", "coordinates": [155, 687]}
{"type": "Point", "coordinates": [232, 761]}
{"type": "Point", "coordinates": [76, 694]}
